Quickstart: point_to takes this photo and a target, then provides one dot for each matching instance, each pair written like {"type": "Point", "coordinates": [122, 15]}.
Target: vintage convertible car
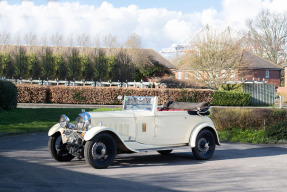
{"type": "Point", "coordinates": [140, 126]}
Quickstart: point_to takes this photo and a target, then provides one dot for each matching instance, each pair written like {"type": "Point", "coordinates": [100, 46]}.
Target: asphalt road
{"type": "Point", "coordinates": [26, 165]}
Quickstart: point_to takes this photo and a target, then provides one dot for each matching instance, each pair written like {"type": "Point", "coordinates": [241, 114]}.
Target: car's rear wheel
{"type": "Point", "coordinates": [205, 145]}
{"type": "Point", "coordinates": [57, 149]}
{"type": "Point", "coordinates": [101, 151]}
{"type": "Point", "coordinates": [165, 152]}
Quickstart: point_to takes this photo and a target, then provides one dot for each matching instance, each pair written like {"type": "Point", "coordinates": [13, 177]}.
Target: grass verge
{"type": "Point", "coordinates": [26, 120]}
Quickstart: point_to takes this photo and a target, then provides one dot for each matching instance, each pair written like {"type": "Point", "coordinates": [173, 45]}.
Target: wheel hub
{"type": "Point", "coordinates": [99, 150]}
{"type": "Point", "coordinates": [203, 145]}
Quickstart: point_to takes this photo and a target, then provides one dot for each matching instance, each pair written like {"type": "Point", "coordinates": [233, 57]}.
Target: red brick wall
{"type": "Point", "coordinates": [274, 76]}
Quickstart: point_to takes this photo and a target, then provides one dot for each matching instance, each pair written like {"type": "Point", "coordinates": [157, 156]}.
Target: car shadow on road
{"type": "Point", "coordinates": [20, 175]}
{"type": "Point", "coordinates": [184, 158]}
{"type": "Point", "coordinates": [144, 160]}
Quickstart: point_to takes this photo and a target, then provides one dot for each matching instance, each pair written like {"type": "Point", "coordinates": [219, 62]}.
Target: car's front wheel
{"type": "Point", "coordinates": [205, 145]}
{"type": "Point", "coordinates": [101, 151]}
{"type": "Point", "coordinates": [57, 149]}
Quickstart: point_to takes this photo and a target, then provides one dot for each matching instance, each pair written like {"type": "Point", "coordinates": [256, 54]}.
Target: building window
{"type": "Point", "coordinates": [267, 74]}
{"type": "Point", "coordinates": [179, 75]}
{"type": "Point", "coordinates": [197, 75]}
{"type": "Point", "coordinates": [185, 75]}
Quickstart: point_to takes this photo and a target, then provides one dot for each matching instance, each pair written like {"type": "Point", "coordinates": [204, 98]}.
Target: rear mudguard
{"type": "Point", "coordinates": [198, 128]}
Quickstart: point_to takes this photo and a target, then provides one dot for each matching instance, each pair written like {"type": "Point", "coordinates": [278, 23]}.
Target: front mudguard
{"type": "Point", "coordinates": [56, 128]}
{"type": "Point", "coordinates": [198, 128]}
{"type": "Point", "coordinates": [91, 133]}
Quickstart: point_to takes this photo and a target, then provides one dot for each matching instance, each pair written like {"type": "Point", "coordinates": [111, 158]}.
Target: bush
{"type": "Point", "coordinates": [244, 136]}
{"type": "Point", "coordinates": [175, 83]}
{"type": "Point", "coordinates": [277, 132]}
{"type": "Point", "coordinates": [8, 96]}
{"type": "Point", "coordinates": [227, 98]}
{"type": "Point", "coordinates": [32, 94]}
{"type": "Point", "coordinates": [250, 125]}
{"type": "Point", "coordinates": [108, 95]}
{"type": "Point", "coordinates": [231, 87]}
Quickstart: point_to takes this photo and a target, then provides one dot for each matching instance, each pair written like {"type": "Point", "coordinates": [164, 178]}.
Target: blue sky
{"type": "Point", "coordinates": [185, 6]}
{"type": "Point", "coordinates": [159, 23]}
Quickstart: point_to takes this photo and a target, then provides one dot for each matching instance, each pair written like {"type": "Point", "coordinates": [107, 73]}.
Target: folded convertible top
{"type": "Point", "coordinates": [186, 106]}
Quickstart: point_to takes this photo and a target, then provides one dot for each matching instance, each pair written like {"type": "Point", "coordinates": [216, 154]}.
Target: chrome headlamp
{"type": "Point", "coordinates": [83, 122]}
{"type": "Point", "coordinates": [64, 121]}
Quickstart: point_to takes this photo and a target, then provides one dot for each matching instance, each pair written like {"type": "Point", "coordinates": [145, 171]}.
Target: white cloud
{"type": "Point", "coordinates": [158, 27]}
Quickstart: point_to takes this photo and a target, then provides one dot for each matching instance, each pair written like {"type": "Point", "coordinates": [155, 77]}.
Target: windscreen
{"type": "Point", "coordinates": [141, 103]}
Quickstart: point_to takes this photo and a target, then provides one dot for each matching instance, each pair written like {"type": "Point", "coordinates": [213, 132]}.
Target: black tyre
{"type": "Point", "coordinates": [57, 149]}
{"type": "Point", "coordinates": [165, 152]}
{"type": "Point", "coordinates": [101, 151]}
{"type": "Point", "coordinates": [205, 145]}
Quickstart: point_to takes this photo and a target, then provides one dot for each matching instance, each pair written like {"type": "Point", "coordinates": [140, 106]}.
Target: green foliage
{"type": "Point", "coordinates": [75, 67]}
{"type": "Point", "coordinates": [8, 96]}
{"type": "Point", "coordinates": [231, 87]}
{"type": "Point", "coordinates": [189, 96]}
{"type": "Point", "coordinates": [227, 98]}
{"type": "Point", "coordinates": [71, 64]}
{"type": "Point", "coordinates": [60, 67]}
{"type": "Point", "coordinates": [277, 132]}
{"type": "Point", "coordinates": [250, 125]}
{"type": "Point", "coordinates": [78, 96]}
{"type": "Point", "coordinates": [34, 66]}
{"type": "Point", "coordinates": [7, 67]}
{"type": "Point", "coordinates": [48, 65]}
{"type": "Point", "coordinates": [21, 64]}
{"type": "Point", "coordinates": [243, 136]}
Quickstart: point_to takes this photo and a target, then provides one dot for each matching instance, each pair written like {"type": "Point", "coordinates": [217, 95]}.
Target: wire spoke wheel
{"type": "Point", "coordinates": [205, 145]}
{"type": "Point", "coordinates": [57, 149]}
{"type": "Point", "coordinates": [101, 151]}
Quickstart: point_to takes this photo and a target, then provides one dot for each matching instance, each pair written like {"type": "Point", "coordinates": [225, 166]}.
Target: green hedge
{"type": "Point", "coordinates": [228, 98]}
{"type": "Point", "coordinates": [231, 87]}
{"type": "Point", "coordinates": [8, 95]}
{"type": "Point", "coordinates": [254, 125]}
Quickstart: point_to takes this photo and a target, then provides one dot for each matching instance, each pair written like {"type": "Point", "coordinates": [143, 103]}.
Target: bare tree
{"type": "Point", "coordinates": [111, 42]}
{"type": "Point", "coordinates": [213, 57]}
{"type": "Point", "coordinates": [44, 40]}
{"type": "Point", "coordinates": [267, 35]}
{"type": "Point", "coordinates": [133, 41]}
{"type": "Point", "coordinates": [57, 39]}
{"type": "Point", "coordinates": [5, 39]}
{"type": "Point", "coordinates": [84, 42]}
{"type": "Point", "coordinates": [97, 42]}
{"type": "Point", "coordinates": [30, 40]}
{"type": "Point", "coordinates": [136, 53]}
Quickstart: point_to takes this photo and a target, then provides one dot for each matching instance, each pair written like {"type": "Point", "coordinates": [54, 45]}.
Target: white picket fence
{"type": "Point", "coordinates": [134, 84]}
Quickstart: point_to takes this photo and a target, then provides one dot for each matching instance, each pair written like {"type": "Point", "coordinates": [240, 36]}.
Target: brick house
{"type": "Point", "coordinates": [251, 67]}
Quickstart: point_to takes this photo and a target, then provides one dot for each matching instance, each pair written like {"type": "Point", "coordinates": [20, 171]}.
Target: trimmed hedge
{"type": "Point", "coordinates": [233, 121]}
{"type": "Point", "coordinates": [32, 94]}
{"type": "Point", "coordinates": [102, 95]}
{"type": "Point", "coordinates": [231, 87]}
{"type": "Point", "coordinates": [8, 95]}
{"type": "Point", "coordinates": [227, 98]}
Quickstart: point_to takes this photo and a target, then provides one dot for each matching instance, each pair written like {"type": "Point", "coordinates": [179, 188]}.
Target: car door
{"type": "Point", "coordinates": [171, 127]}
{"type": "Point", "coordinates": [144, 127]}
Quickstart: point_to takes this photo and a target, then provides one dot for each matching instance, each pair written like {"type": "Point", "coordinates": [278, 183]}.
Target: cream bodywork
{"type": "Point", "coordinates": [147, 130]}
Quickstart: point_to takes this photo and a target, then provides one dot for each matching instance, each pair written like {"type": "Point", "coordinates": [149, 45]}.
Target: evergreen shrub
{"type": "Point", "coordinates": [228, 98]}
{"type": "Point", "coordinates": [8, 95]}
